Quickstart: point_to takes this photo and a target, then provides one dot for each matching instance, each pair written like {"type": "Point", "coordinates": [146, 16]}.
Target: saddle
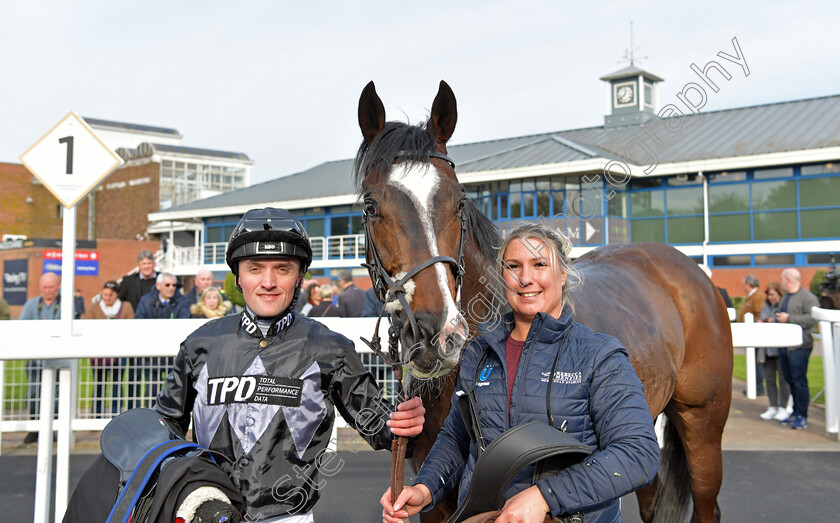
{"type": "Point", "coordinates": [137, 443]}
{"type": "Point", "coordinates": [515, 449]}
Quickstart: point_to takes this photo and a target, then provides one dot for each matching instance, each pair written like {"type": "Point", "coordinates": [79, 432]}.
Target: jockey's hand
{"type": "Point", "coordinates": [528, 506]}
{"type": "Point", "coordinates": [410, 501]}
{"type": "Point", "coordinates": [408, 419]}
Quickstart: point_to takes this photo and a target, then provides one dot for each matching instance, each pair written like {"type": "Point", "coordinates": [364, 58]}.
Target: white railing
{"type": "Point", "coordinates": [49, 340]}
{"type": "Point", "coordinates": [350, 247]}
{"type": "Point", "coordinates": [749, 335]}
{"type": "Point", "coordinates": [829, 322]}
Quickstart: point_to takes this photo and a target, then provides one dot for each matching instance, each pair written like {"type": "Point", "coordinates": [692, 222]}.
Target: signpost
{"type": "Point", "coordinates": [70, 160]}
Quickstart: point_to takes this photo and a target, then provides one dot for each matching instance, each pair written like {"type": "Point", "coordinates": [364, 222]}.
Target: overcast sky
{"type": "Point", "coordinates": [280, 80]}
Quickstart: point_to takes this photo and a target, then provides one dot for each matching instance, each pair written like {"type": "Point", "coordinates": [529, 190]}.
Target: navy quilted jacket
{"type": "Point", "coordinates": [595, 392]}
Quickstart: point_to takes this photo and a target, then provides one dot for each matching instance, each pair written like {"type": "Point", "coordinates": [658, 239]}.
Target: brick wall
{"type": "Point", "coordinates": [124, 200]}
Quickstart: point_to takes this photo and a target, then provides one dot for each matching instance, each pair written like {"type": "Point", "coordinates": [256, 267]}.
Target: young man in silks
{"type": "Point", "coordinates": [261, 388]}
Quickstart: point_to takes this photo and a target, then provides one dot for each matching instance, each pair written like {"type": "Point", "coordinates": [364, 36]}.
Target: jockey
{"type": "Point", "coordinates": [262, 387]}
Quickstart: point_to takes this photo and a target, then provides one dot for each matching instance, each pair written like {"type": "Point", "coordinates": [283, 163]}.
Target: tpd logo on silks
{"type": "Point", "coordinates": [269, 390]}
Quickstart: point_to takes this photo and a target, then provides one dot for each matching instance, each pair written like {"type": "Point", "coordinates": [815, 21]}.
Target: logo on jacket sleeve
{"type": "Point", "coordinates": [268, 390]}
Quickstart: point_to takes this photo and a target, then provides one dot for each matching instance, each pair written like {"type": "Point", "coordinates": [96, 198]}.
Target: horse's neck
{"type": "Point", "coordinates": [481, 290]}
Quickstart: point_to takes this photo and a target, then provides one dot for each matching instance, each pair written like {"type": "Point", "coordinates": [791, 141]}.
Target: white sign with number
{"type": "Point", "coordinates": [70, 160]}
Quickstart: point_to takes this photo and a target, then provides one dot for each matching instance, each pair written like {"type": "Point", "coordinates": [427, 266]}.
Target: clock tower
{"type": "Point", "coordinates": [632, 96]}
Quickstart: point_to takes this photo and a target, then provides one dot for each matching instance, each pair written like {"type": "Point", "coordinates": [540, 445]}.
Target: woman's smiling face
{"type": "Point", "coordinates": [532, 284]}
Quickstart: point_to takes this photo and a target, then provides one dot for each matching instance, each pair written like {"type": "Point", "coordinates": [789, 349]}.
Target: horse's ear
{"type": "Point", "coordinates": [371, 113]}
{"type": "Point", "coordinates": [444, 113]}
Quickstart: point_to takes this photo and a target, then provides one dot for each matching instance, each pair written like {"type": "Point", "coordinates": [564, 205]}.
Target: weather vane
{"type": "Point", "coordinates": [629, 54]}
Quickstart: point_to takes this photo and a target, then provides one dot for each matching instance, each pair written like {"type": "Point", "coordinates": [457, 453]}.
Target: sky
{"type": "Point", "coordinates": [280, 80]}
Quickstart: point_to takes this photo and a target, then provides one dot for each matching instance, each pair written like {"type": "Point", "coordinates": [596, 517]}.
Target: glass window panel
{"type": "Point", "coordinates": [503, 206]}
{"type": "Point", "coordinates": [214, 235]}
{"type": "Point", "coordinates": [684, 179]}
{"type": "Point", "coordinates": [730, 176]}
{"type": "Point", "coordinates": [315, 227]}
{"type": "Point", "coordinates": [685, 201]}
{"type": "Point", "coordinates": [779, 172]}
{"type": "Point", "coordinates": [729, 198]}
{"type": "Point", "coordinates": [527, 204]}
{"type": "Point", "coordinates": [491, 207]}
{"type": "Point", "coordinates": [339, 226]}
{"type": "Point", "coordinates": [685, 230]}
{"type": "Point", "coordinates": [557, 203]}
{"type": "Point", "coordinates": [619, 229]}
{"type": "Point", "coordinates": [820, 168]}
{"type": "Point", "coordinates": [617, 205]}
{"type": "Point", "coordinates": [774, 195]}
{"type": "Point", "coordinates": [730, 228]}
{"type": "Point", "coordinates": [514, 185]}
{"type": "Point", "coordinates": [819, 192]}
{"type": "Point", "coordinates": [647, 182]}
{"type": "Point", "coordinates": [821, 224]}
{"type": "Point", "coordinates": [558, 182]}
{"type": "Point", "coordinates": [543, 184]}
{"type": "Point", "coordinates": [647, 203]}
{"type": "Point", "coordinates": [722, 261]}
{"type": "Point", "coordinates": [356, 226]}
{"type": "Point", "coordinates": [516, 205]}
{"type": "Point", "coordinates": [820, 259]}
{"type": "Point", "coordinates": [529, 185]}
{"type": "Point", "coordinates": [774, 225]}
{"type": "Point", "coordinates": [339, 209]}
{"type": "Point", "coordinates": [648, 230]}
{"type": "Point", "coordinates": [775, 259]}
{"type": "Point", "coordinates": [543, 204]}
{"type": "Point", "coordinates": [167, 163]}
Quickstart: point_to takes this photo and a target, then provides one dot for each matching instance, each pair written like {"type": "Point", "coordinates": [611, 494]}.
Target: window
{"type": "Point", "coordinates": [775, 259]}
{"type": "Point", "coordinates": [723, 261]}
{"type": "Point", "coordinates": [729, 198]}
{"type": "Point", "coordinates": [729, 228]}
{"type": "Point", "coordinates": [685, 230]}
{"type": "Point", "coordinates": [819, 192]}
{"type": "Point", "coordinates": [648, 230]}
{"type": "Point", "coordinates": [647, 203]}
{"type": "Point", "coordinates": [823, 223]}
{"type": "Point", "coordinates": [774, 225]}
{"type": "Point", "coordinates": [685, 201]}
{"type": "Point", "coordinates": [778, 172]}
{"type": "Point", "coordinates": [774, 195]}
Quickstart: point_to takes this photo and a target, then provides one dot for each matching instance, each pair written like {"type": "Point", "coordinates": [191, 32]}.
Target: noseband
{"type": "Point", "coordinates": [387, 289]}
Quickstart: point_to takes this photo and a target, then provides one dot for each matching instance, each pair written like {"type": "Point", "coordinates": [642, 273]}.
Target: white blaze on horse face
{"type": "Point", "coordinates": [420, 183]}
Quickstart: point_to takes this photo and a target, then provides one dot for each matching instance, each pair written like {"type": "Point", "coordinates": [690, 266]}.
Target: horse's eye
{"type": "Point", "coordinates": [462, 204]}
{"type": "Point", "coordinates": [370, 209]}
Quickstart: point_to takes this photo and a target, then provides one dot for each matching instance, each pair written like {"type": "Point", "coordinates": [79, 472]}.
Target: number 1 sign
{"type": "Point", "coordinates": [70, 160]}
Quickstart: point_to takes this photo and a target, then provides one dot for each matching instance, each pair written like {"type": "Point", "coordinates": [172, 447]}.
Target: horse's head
{"type": "Point", "coordinates": [415, 228]}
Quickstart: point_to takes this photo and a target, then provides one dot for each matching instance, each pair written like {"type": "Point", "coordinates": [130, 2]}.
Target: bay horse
{"type": "Point", "coordinates": [421, 227]}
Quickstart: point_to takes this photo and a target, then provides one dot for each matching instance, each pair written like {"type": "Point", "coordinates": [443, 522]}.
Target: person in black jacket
{"type": "Point", "coordinates": [351, 301]}
{"type": "Point", "coordinates": [536, 364]}
{"type": "Point", "coordinates": [135, 286]}
{"type": "Point", "coordinates": [262, 387]}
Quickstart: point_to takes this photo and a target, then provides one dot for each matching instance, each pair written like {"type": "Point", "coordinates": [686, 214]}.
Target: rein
{"type": "Point", "coordinates": [388, 290]}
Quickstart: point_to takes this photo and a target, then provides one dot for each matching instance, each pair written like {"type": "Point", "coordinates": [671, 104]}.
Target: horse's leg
{"type": "Point", "coordinates": [700, 428]}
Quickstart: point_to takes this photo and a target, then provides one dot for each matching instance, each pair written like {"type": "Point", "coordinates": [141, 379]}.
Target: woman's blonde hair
{"type": "Point", "coordinates": [559, 247]}
{"type": "Point", "coordinates": [210, 290]}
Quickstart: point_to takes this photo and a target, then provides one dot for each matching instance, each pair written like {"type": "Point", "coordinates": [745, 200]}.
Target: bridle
{"type": "Point", "coordinates": [387, 289]}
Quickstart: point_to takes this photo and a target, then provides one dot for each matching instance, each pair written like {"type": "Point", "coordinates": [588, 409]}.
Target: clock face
{"type": "Point", "coordinates": [625, 94]}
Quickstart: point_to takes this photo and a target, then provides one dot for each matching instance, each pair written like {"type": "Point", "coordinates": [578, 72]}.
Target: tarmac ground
{"type": "Point", "coordinates": [771, 473]}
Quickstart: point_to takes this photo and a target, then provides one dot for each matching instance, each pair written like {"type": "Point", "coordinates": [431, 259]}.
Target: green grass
{"type": "Point", "coordinates": [815, 373]}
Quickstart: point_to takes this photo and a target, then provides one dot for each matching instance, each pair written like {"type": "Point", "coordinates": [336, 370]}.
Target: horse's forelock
{"type": "Point", "coordinates": [411, 143]}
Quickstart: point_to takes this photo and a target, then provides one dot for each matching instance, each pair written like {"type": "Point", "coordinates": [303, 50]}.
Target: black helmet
{"type": "Point", "coordinates": [268, 233]}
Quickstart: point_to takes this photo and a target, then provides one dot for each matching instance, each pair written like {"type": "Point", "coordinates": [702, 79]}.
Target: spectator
{"type": "Point", "coordinates": [211, 304]}
{"type": "Point", "coordinates": [352, 300]}
{"type": "Point", "coordinates": [753, 303]}
{"type": "Point", "coordinates": [796, 308]}
{"type": "Point", "coordinates": [305, 295]}
{"type": "Point", "coordinates": [5, 312]}
{"type": "Point", "coordinates": [135, 286]}
{"type": "Point", "coordinates": [79, 303]}
{"type": "Point", "coordinates": [325, 308]}
{"type": "Point", "coordinates": [110, 307]}
{"type": "Point", "coordinates": [313, 298]}
{"type": "Point", "coordinates": [47, 306]}
{"type": "Point", "coordinates": [164, 301]}
{"type": "Point", "coordinates": [203, 280]}
{"type": "Point", "coordinates": [372, 304]}
{"type": "Point", "coordinates": [769, 357]}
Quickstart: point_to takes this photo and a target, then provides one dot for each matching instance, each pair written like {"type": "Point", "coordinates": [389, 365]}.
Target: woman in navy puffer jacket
{"type": "Point", "coordinates": [596, 397]}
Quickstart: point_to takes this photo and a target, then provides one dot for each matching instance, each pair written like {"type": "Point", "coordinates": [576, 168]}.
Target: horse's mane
{"type": "Point", "coordinates": [412, 143]}
{"type": "Point", "coordinates": [484, 231]}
